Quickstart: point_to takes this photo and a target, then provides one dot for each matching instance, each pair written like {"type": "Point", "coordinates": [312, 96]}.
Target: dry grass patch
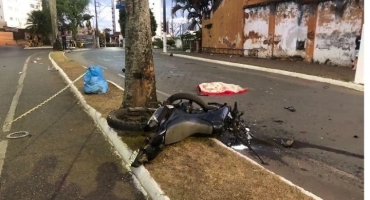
{"type": "Point", "coordinates": [196, 168]}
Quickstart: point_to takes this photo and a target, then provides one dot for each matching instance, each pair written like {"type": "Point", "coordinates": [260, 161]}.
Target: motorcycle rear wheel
{"type": "Point", "coordinates": [116, 120]}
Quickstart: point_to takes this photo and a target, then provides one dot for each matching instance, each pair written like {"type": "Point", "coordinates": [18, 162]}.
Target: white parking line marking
{"type": "Point", "coordinates": [3, 146]}
{"type": "Point", "coordinates": [163, 93]}
{"type": "Point", "coordinates": [15, 100]}
{"type": "Point", "coordinates": [160, 92]}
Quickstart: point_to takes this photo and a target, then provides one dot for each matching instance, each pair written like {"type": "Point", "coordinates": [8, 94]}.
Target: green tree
{"type": "Point", "coordinates": [121, 21]}
{"type": "Point", "coordinates": [170, 42]}
{"type": "Point", "coordinates": [153, 23]}
{"type": "Point", "coordinates": [122, 18]}
{"type": "Point", "coordinates": [107, 34]}
{"type": "Point", "coordinates": [194, 9]}
{"type": "Point", "coordinates": [39, 23]}
{"type": "Point", "coordinates": [71, 14]}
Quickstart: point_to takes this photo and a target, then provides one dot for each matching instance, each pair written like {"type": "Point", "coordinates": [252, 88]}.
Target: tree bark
{"type": "Point", "coordinates": [140, 84]}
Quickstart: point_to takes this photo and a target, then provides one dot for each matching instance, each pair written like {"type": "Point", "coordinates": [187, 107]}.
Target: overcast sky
{"type": "Point", "coordinates": [105, 13]}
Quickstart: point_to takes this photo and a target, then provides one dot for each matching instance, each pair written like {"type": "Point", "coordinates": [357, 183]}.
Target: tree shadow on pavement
{"type": "Point", "coordinates": [34, 185]}
{"type": "Point", "coordinates": [108, 176]}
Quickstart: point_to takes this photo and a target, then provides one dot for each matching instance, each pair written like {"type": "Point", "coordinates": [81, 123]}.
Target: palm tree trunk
{"type": "Point", "coordinates": [140, 85]}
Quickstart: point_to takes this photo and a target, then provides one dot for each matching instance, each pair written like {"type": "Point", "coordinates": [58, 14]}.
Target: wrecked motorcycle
{"type": "Point", "coordinates": [173, 122]}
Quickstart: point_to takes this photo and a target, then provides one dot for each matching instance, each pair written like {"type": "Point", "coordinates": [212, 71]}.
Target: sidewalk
{"type": "Point", "coordinates": [67, 156]}
{"type": "Point", "coordinates": [345, 74]}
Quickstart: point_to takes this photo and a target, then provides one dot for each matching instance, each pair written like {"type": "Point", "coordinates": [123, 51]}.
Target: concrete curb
{"type": "Point", "coordinates": [141, 174]}
{"type": "Point", "coordinates": [277, 71]}
{"type": "Point", "coordinates": [44, 47]}
{"type": "Point", "coordinates": [264, 169]}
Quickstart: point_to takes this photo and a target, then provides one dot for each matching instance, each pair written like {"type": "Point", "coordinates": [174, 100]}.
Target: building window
{"type": "Point", "coordinates": [11, 18]}
{"type": "Point", "coordinates": [32, 6]}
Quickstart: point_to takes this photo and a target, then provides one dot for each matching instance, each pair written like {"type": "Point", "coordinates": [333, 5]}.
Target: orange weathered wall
{"type": "Point", "coordinates": [227, 26]}
{"type": "Point", "coordinates": [273, 27]}
{"type": "Point", "coordinates": [6, 38]}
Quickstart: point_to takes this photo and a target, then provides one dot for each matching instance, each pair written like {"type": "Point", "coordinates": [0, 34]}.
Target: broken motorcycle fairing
{"type": "Point", "coordinates": [173, 122]}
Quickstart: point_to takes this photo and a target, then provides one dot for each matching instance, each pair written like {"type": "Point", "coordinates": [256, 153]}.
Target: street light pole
{"type": "Point", "coordinates": [96, 27]}
{"type": "Point", "coordinates": [164, 28]}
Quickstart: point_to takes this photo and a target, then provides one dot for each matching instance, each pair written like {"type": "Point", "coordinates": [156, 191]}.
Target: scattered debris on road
{"type": "Point", "coordinates": [171, 54]}
{"type": "Point", "coordinates": [20, 72]}
{"type": "Point", "coordinates": [326, 87]}
{"type": "Point", "coordinates": [34, 61]}
{"type": "Point", "coordinates": [279, 121]}
{"type": "Point", "coordinates": [287, 142]}
{"type": "Point", "coordinates": [290, 108]}
{"type": "Point", "coordinates": [355, 136]}
{"type": "Point", "coordinates": [18, 134]}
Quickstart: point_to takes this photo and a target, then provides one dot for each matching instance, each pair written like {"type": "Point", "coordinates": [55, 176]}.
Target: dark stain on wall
{"type": "Point", "coordinates": [311, 35]}
{"type": "Point", "coordinates": [228, 43]}
{"type": "Point", "coordinates": [335, 39]}
{"type": "Point", "coordinates": [253, 35]}
{"type": "Point", "coordinates": [338, 7]}
{"type": "Point", "coordinates": [246, 15]}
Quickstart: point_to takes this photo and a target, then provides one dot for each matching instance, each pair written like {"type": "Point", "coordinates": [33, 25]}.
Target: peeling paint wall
{"type": "Point", "coordinates": [325, 30]}
{"type": "Point", "coordinates": [256, 28]}
{"type": "Point", "coordinates": [290, 27]}
{"type": "Point", "coordinates": [227, 26]}
{"type": "Point", "coordinates": [335, 35]}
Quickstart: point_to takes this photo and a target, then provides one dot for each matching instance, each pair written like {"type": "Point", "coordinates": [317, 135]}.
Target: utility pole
{"type": "Point", "coordinates": [164, 28]}
{"type": "Point", "coordinates": [96, 27]}
{"type": "Point", "coordinates": [172, 31]}
{"type": "Point", "coordinates": [54, 24]}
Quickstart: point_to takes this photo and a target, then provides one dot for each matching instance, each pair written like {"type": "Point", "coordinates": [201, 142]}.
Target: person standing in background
{"type": "Point", "coordinates": [357, 49]}
{"type": "Point", "coordinates": [64, 39]}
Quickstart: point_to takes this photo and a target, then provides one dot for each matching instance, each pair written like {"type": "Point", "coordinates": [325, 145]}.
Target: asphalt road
{"type": "Point", "coordinates": [327, 157]}
{"type": "Point", "coordinates": [66, 156]}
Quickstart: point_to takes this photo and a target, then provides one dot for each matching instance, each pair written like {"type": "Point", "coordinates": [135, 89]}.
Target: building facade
{"type": "Point", "coordinates": [154, 5]}
{"type": "Point", "coordinates": [322, 31]}
{"type": "Point", "coordinates": [157, 8]}
{"type": "Point", "coordinates": [14, 15]}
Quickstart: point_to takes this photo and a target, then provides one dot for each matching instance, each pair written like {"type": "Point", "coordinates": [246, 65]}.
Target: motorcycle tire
{"type": "Point", "coordinates": [189, 97]}
{"type": "Point", "coordinates": [114, 120]}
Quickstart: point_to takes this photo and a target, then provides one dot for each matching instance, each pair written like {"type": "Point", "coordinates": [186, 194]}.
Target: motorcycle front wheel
{"type": "Point", "coordinates": [190, 98]}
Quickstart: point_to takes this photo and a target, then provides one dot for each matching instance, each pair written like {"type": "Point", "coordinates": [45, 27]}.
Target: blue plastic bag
{"type": "Point", "coordinates": [94, 81]}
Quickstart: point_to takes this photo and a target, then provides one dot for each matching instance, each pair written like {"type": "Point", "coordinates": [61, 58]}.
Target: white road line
{"type": "Point", "coordinates": [165, 94]}
{"type": "Point", "coordinates": [14, 103]}
{"type": "Point", "coordinates": [3, 146]}
{"type": "Point", "coordinates": [160, 92]}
